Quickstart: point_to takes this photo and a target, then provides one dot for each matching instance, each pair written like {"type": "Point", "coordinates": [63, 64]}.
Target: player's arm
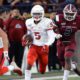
{"type": "Point", "coordinates": [4, 39]}
{"type": "Point", "coordinates": [51, 37]}
{"type": "Point", "coordinates": [27, 39]}
{"type": "Point", "coordinates": [51, 33]}
{"type": "Point", "coordinates": [56, 29]}
{"type": "Point", "coordinates": [56, 20]}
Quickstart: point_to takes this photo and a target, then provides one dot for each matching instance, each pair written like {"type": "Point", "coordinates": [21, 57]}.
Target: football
{"type": "Point", "coordinates": [29, 39]}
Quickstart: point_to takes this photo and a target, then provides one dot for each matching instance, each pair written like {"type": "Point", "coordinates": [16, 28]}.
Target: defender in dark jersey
{"type": "Point", "coordinates": [68, 24]}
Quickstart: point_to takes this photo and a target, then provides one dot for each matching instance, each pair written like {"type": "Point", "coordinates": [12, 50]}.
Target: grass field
{"type": "Point", "coordinates": [55, 75]}
{"type": "Point", "coordinates": [72, 78]}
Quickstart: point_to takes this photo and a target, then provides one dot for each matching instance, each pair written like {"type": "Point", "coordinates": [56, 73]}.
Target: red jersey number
{"type": "Point", "coordinates": [37, 35]}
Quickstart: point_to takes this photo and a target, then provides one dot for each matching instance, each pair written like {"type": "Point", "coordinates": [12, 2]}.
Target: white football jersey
{"type": "Point", "coordinates": [39, 31]}
{"type": "Point", "coordinates": [1, 43]}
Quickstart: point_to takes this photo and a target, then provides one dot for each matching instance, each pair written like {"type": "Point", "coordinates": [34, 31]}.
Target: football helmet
{"type": "Point", "coordinates": [70, 12]}
{"type": "Point", "coordinates": [37, 12]}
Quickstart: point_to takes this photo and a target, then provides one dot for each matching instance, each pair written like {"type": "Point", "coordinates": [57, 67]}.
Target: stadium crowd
{"type": "Point", "coordinates": [14, 13]}
{"type": "Point", "coordinates": [49, 5]}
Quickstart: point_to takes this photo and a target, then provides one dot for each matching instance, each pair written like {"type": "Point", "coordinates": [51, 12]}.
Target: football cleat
{"type": "Point", "coordinates": [16, 69]}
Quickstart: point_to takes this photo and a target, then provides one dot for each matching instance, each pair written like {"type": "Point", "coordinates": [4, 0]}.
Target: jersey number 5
{"type": "Point", "coordinates": [37, 35]}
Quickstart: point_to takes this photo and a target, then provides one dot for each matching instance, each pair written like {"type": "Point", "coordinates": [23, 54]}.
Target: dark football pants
{"type": "Point", "coordinates": [16, 50]}
{"type": "Point", "coordinates": [53, 60]}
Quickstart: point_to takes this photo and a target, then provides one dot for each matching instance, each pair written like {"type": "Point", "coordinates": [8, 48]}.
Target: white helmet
{"type": "Point", "coordinates": [37, 12]}
{"type": "Point", "coordinates": [69, 12]}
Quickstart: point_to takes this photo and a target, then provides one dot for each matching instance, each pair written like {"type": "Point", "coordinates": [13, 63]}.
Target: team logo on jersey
{"type": "Point", "coordinates": [63, 23]}
{"type": "Point", "coordinates": [18, 26]}
{"type": "Point", "coordinates": [74, 23]}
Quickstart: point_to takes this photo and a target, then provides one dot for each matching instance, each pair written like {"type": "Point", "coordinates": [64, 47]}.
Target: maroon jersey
{"type": "Point", "coordinates": [67, 28]}
{"type": "Point", "coordinates": [16, 29]}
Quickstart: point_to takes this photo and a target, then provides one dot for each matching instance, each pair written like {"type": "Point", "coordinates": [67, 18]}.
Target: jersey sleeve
{"type": "Point", "coordinates": [27, 23]}
{"type": "Point", "coordinates": [56, 20]}
{"type": "Point", "coordinates": [51, 25]}
{"type": "Point", "coordinates": [51, 37]}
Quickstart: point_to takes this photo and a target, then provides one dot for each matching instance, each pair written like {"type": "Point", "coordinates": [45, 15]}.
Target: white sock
{"type": "Point", "coordinates": [7, 73]}
{"type": "Point", "coordinates": [27, 75]}
{"type": "Point", "coordinates": [11, 68]}
{"type": "Point", "coordinates": [73, 66]}
{"type": "Point", "coordinates": [66, 74]}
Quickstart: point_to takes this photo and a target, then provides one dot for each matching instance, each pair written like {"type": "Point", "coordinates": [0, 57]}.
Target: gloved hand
{"type": "Point", "coordinates": [58, 36]}
{"type": "Point", "coordinates": [6, 55]}
{"type": "Point", "coordinates": [45, 49]}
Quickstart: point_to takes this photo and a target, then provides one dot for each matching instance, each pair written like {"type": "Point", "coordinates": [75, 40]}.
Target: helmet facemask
{"type": "Point", "coordinates": [69, 16]}
{"type": "Point", "coordinates": [70, 12]}
{"type": "Point", "coordinates": [37, 16]}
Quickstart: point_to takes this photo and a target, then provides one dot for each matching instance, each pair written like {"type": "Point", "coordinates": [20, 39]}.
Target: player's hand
{"type": "Point", "coordinates": [27, 40]}
{"type": "Point", "coordinates": [45, 49]}
{"type": "Point", "coordinates": [58, 36]}
{"type": "Point", "coordinates": [6, 56]}
{"type": "Point", "coordinates": [24, 42]}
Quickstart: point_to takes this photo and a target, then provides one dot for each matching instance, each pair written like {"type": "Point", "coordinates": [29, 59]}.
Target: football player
{"type": "Point", "coordinates": [68, 24]}
{"type": "Point", "coordinates": [4, 55]}
{"type": "Point", "coordinates": [40, 29]}
{"type": "Point", "coordinates": [4, 49]}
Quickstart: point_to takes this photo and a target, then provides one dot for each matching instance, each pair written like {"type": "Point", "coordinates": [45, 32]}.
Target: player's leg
{"type": "Point", "coordinates": [13, 67]}
{"type": "Point", "coordinates": [69, 51]}
{"type": "Point", "coordinates": [31, 58]}
{"type": "Point", "coordinates": [75, 68]}
{"type": "Point", "coordinates": [2, 69]}
{"type": "Point", "coordinates": [43, 60]}
{"type": "Point", "coordinates": [67, 68]}
{"type": "Point", "coordinates": [5, 69]}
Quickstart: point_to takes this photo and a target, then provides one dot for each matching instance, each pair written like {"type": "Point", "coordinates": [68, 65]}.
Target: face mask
{"type": "Point", "coordinates": [16, 17]}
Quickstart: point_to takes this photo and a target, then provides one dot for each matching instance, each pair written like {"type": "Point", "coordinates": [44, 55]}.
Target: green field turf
{"type": "Point", "coordinates": [72, 78]}
{"type": "Point", "coordinates": [55, 75]}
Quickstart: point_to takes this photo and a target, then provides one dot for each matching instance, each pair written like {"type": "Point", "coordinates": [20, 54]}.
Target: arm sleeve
{"type": "Point", "coordinates": [28, 32]}
{"type": "Point", "coordinates": [56, 21]}
{"type": "Point", "coordinates": [51, 37]}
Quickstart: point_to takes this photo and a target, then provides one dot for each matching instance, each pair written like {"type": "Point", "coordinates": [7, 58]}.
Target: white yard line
{"type": "Point", "coordinates": [53, 77]}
